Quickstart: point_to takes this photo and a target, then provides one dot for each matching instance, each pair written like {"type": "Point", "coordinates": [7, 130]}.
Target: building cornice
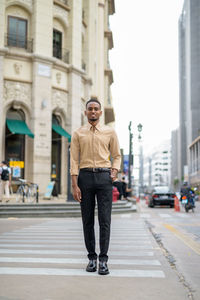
{"type": "Point", "coordinates": [61, 4]}
{"type": "Point", "coordinates": [60, 89]}
{"type": "Point", "coordinates": [17, 80]}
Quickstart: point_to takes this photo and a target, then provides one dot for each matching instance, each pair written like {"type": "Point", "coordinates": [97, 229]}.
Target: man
{"type": "Point", "coordinates": [5, 174]}
{"type": "Point", "coordinates": [92, 146]}
{"type": "Point", "coordinates": [188, 192]}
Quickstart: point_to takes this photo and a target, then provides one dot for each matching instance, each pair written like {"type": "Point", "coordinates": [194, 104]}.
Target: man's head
{"type": "Point", "coordinates": [4, 162]}
{"type": "Point", "coordinates": [93, 110]}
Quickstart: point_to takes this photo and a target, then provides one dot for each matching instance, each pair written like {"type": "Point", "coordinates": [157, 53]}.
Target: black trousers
{"type": "Point", "coordinates": [96, 186]}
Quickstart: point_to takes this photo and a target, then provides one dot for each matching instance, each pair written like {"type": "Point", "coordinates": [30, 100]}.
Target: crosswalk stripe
{"type": "Point", "coordinates": [77, 272]}
{"type": "Point", "coordinates": [39, 241]}
{"type": "Point", "coordinates": [64, 235]}
{"type": "Point", "coordinates": [49, 246]}
{"type": "Point", "coordinates": [50, 260]}
{"type": "Point", "coordinates": [74, 252]}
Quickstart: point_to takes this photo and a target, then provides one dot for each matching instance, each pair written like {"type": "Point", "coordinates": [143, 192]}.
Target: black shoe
{"type": "Point", "coordinates": [103, 268]}
{"type": "Point", "coordinates": [92, 265]}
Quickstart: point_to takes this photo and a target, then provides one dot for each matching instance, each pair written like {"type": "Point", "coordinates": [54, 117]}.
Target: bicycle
{"type": "Point", "coordinates": [27, 192]}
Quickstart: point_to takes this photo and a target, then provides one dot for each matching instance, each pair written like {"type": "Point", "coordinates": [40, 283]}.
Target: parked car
{"type": "Point", "coordinates": [161, 195]}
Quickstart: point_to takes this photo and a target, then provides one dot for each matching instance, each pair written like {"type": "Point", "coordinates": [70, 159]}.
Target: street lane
{"type": "Point", "coordinates": [179, 233]}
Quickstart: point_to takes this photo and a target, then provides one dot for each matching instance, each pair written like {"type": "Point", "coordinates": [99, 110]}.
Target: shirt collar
{"type": "Point", "coordinates": [98, 126]}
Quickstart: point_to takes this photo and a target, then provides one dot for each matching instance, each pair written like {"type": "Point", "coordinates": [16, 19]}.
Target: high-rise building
{"type": "Point", "coordinates": [189, 61]}
{"type": "Point", "coordinates": [157, 166]}
{"type": "Point", "coordinates": [54, 55]}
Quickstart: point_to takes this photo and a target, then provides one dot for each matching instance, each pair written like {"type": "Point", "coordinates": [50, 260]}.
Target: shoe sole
{"type": "Point", "coordinates": [104, 273]}
{"type": "Point", "coordinates": [93, 270]}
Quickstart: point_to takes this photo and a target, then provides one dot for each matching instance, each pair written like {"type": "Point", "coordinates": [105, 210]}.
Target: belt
{"type": "Point", "coordinates": [95, 170]}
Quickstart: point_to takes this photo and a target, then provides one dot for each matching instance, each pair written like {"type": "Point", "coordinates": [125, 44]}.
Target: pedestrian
{"type": "Point", "coordinates": [92, 174]}
{"type": "Point", "coordinates": [5, 183]}
{"type": "Point", "coordinates": [119, 185]}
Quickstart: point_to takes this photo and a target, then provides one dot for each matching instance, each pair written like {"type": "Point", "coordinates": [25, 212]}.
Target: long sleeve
{"type": "Point", "coordinates": [74, 155]}
{"type": "Point", "coordinates": [115, 151]}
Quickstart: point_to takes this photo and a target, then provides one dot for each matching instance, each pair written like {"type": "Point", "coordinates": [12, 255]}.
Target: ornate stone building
{"type": "Point", "coordinates": [53, 58]}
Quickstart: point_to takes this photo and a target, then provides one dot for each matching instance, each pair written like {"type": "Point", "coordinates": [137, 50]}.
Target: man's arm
{"type": "Point", "coordinates": [76, 191]}
{"type": "Point", "coordinates": [74, 166]}
{"type": "Point", "coordinates": [116, 155]}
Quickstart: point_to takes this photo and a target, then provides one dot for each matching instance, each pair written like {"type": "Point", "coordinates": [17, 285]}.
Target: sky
{"type": "Point", "coordinates": [144, 61]}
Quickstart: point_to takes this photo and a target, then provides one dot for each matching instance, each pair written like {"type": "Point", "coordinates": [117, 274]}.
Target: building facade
{"type": "Point", "coordinates": [157, 166]}
{"type": "Point", "coordinates": [189, 61]}
{"type": "Point", "coordinates": [54, 55]}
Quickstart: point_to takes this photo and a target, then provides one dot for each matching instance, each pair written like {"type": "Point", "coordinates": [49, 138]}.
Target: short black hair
{"type": "Point", "coordinates": [4, 162]}
{"type": "Point", "coordinates": [93, 100]}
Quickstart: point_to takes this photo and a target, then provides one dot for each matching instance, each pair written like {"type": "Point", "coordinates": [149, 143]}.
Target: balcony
{"type": "Point", "coordinates": [61, 53]}
{"type": "Point", "coordinates": [109, 114]}
{"type": "Point", "coordinates": [11, 40]}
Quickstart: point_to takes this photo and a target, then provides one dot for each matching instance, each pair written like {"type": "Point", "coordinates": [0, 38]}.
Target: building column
{"type": "Point", "coordinates": [75, 74]}
{"type": "Point", "coordinates": [100, 57]}
{"type": "Point", "coordinates": [41, 119]}
{"type": "Point", "coordinates": [2, 37]}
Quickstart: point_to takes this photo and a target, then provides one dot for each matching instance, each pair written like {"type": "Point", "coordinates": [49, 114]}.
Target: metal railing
{"type": "Point", "coordinates": [61, 53]}
{"type": "Point", "coordinates": [83, 65]}
{"type": "Point", "coordinates": [12, 40]}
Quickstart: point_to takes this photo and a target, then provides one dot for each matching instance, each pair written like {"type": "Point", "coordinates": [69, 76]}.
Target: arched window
{"type": "Point", "coordinates": [15, 143]}
{"type": "Point", "coordinates": [56, 157]}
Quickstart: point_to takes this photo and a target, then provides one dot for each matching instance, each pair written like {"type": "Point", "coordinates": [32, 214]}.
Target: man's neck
{"type": "Point", "coordinates": [94, 124]}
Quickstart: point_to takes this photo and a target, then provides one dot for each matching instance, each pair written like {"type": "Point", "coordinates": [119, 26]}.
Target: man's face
{"type": "Point", "coordinates": [93, 111]}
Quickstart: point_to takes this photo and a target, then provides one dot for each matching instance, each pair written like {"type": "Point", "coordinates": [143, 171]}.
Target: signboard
{"type": "Point", "coordinates": [14, 164]}
{"type": "Point", "coordinates": [49, 189]}
{"type": "Point", "coordinates": [44, 70]}
{"type": "Point", "coordinates": [126, 160]}
{"type": "Point", "coordinates": [16, 172]}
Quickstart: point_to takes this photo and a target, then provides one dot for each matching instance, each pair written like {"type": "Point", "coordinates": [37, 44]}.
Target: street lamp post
{"type": "Point", "coordinates": [130, 161]}
{"type": "Point", "coordinates": [140, 159]}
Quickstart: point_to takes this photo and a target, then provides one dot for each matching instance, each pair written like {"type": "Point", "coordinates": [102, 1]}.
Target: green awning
{"type": "Point", "coordinates": [61, 131]}
{"type": "Point", "coordinates": [18, 127]}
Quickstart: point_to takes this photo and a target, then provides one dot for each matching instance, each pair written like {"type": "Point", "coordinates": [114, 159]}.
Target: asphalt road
{"type": "Point", "coordinates": [154, 254]}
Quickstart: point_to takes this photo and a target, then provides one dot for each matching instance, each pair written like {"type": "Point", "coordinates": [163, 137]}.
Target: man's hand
{"type": "Point", "coordinates": [76, 193]}
{"type": "Point", "coordinates": [114, 173]}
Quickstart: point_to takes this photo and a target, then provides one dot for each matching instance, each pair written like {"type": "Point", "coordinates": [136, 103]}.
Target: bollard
{"type": "Point", "coordinates": [115, 194]}
{"type": "Point", "coordinates": [146, 200]}
{"type": "Point", "coordinates": [176, 204]}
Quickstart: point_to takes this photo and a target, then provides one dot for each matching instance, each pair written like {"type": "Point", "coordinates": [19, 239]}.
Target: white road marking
{"type": "Point", "coordinates": [77, 272]}
{"type": "Point", "coordinates": [69, 242]}
{"type": "Point", "coordinates": [139, 262]}
{"type": "Point", "coordinates": [165, 216]}
{"type": "Point", "coordinates": [145, 215]}
{"type": "Point", "coordinates": [49, 246]}
{"type": "Point", "coordinates": [74, 252]}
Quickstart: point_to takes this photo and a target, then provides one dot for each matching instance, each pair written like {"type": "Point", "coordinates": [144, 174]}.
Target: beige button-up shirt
{"type": "Point", "coordinates": [94, 148]}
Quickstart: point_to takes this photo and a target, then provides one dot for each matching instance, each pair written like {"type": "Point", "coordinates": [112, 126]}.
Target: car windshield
{"type": "Point", "coordinates": [161, 189]}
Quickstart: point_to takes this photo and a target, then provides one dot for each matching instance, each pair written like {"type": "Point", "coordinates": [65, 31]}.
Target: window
{"type": "Point", "coordinates": [57, 44]}
{"type": "Point", "coordinates": [17, 32]}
